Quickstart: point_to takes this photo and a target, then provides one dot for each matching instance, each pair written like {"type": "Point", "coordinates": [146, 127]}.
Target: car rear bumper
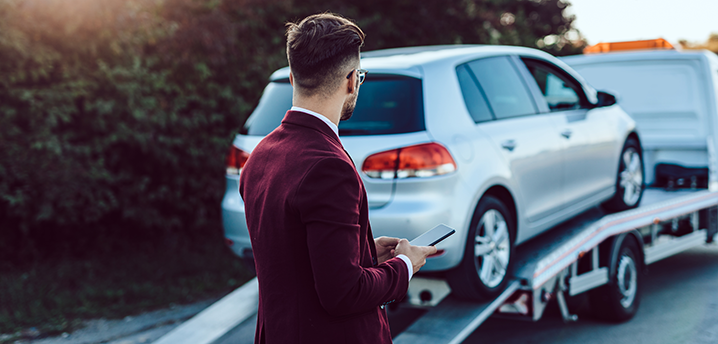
{"type": "Point", "coordinates": [233, 220]}
{"type": "Point", "coordinates": [403, 217]}
{"type": "Point", "coordinates": [409, 218]}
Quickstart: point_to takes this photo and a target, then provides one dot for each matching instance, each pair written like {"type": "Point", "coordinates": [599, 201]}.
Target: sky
{"type": "Point", "coordinates": [626, 20]}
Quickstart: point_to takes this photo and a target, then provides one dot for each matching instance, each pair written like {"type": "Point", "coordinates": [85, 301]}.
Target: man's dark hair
{"type": "Point", "coordinates": [321, 50]}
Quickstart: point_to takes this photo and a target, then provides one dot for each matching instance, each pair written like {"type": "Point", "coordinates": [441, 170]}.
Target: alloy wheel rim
{"type": "Point", "coordinates": [627, 279]}
{"type": "Point", "coordinates": [631, 176]}
{"type": "Point", "coordinates": [492, 248]}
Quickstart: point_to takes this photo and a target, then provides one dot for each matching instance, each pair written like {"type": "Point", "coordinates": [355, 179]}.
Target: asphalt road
{"type": "Point", "coordinates": [679, 305]}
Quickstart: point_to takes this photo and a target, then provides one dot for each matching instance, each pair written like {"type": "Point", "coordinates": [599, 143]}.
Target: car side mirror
{"type": "Point", "coordinates": [605, 99]}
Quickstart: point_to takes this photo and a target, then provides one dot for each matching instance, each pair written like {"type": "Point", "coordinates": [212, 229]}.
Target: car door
{"type": "Point", "coordinates": [528, 141]}
{"type": "Point", "coordinates": [586, 136]}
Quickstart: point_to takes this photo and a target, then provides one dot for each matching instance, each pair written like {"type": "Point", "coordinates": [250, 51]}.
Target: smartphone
{"type": "Point", "coordinates": [433, 236]}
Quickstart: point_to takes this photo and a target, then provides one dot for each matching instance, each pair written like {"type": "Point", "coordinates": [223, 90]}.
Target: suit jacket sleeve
{"type": "Point", "coordinates": [328, 200]}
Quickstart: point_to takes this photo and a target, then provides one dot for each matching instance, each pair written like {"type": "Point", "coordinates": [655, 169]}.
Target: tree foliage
{"type": "Point", "coordinates": [710, 44]}
{"type": "Point", "coordinates": [115, 115]}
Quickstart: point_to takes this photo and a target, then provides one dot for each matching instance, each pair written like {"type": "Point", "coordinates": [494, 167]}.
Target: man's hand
{"type": "Point", "coordinates": [417, 254]}
{"type": "Point", "coordinates": [385, 248]}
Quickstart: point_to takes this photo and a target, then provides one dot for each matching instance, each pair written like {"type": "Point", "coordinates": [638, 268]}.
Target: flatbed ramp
{"type": "Point", "coordinates": [452, 320]}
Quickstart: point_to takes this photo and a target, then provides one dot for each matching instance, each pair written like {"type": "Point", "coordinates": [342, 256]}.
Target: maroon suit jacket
{"type": "Point", "coordinates": [308, 219]}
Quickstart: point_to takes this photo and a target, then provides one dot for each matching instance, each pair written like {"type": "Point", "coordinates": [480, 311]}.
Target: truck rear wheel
{"type": "Point", "coordinates": [484, 270]}
{"type": "Point", "coordinates": [618, 300]}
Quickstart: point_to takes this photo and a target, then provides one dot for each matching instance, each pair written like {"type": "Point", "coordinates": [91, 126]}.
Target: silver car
{"type": "Point", "coordinates": [501, 143]}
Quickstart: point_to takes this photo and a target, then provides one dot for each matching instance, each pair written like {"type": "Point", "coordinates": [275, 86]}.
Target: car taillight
{"type": "Point", "coordinates": [236, 158]}
{"type": "Point", "coordinates": [423, 160]}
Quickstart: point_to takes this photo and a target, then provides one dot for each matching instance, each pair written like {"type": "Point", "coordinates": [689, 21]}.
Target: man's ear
{"type": "Point", "coordinates": [352, 83]}
{"type": "Point", "coordinates": [291, 79]}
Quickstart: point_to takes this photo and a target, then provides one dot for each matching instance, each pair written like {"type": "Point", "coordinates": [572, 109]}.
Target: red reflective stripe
{"type": "Point", "coordinates": [615, 222]}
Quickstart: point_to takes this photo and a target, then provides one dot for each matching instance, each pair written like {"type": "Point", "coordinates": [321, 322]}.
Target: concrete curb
{"type": "Point", "coordinates": [139, 328]}
{"type": "Point", "coordinates": [218, 319]}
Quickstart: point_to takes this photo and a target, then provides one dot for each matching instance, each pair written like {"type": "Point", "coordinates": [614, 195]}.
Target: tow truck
{"type": "Point", "coordinates": [582, 255]}
{"type": "Point", "coordinates": [602, 254]}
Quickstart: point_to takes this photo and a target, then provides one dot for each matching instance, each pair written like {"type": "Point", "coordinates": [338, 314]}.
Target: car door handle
{"type": "Point", "coordinates": [566, 133]}
{"type": "Point", "coordinates": [509, 145]}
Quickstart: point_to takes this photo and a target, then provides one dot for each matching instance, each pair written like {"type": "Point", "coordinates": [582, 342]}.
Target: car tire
{"type": "Point", "coordinates": [485, 268]}
{"type": "Point", "coordinates": [629, 180]}
{"type": "Point", "coordinates": [618, 300]}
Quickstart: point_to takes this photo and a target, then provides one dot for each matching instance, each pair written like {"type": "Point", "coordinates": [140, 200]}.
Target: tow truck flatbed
{"type": "Point", "coordinates": [546, 266]}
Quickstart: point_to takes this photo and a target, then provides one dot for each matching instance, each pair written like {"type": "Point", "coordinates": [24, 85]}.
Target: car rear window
{"type": "Point", "coordinates": [387, 104]}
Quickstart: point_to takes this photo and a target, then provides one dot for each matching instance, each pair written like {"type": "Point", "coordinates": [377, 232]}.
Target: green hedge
{"type": "Point", "coordinates": [115, 116]}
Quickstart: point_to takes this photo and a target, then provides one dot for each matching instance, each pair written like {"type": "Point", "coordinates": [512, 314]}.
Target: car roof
{"type": "Point", "coordinates": [634, 55]}
{"type": "Point", "coordinates": [408, 61]}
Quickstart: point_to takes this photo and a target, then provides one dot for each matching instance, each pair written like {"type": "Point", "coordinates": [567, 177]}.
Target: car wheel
{"type": "Point", "coordinates": [618, 300]}
{"type": "Point", "coordinates": [629, 182]}
{"type": "Point", "coordinates": [484, 270]}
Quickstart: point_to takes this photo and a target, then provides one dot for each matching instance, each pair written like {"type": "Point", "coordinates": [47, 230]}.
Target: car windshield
{"type": "Point", "coordinates": [387, 104]}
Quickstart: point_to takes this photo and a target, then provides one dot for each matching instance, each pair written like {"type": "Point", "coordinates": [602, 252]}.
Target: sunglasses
{"type": "Point", "coordinates": [362, 75]}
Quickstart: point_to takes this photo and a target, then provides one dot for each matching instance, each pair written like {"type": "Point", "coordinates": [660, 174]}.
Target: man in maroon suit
{"type": "Point", "coordinates": [322, 277]}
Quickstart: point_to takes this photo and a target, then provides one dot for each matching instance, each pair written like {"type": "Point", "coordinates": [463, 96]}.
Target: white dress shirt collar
{"type": "Point", "coordinates": [331, 125]}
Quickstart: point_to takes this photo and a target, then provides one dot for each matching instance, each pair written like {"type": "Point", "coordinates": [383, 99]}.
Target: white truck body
{"type": "Point", "coordinates": [672, 95]}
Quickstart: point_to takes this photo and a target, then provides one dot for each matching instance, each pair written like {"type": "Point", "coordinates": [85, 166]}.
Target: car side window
{"type": "Point", "coordinates": [473, 96]}
{"type": "Point", "coordinates": [560, 91]}
{"type": "Point", "coordinates": [503, 86]}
